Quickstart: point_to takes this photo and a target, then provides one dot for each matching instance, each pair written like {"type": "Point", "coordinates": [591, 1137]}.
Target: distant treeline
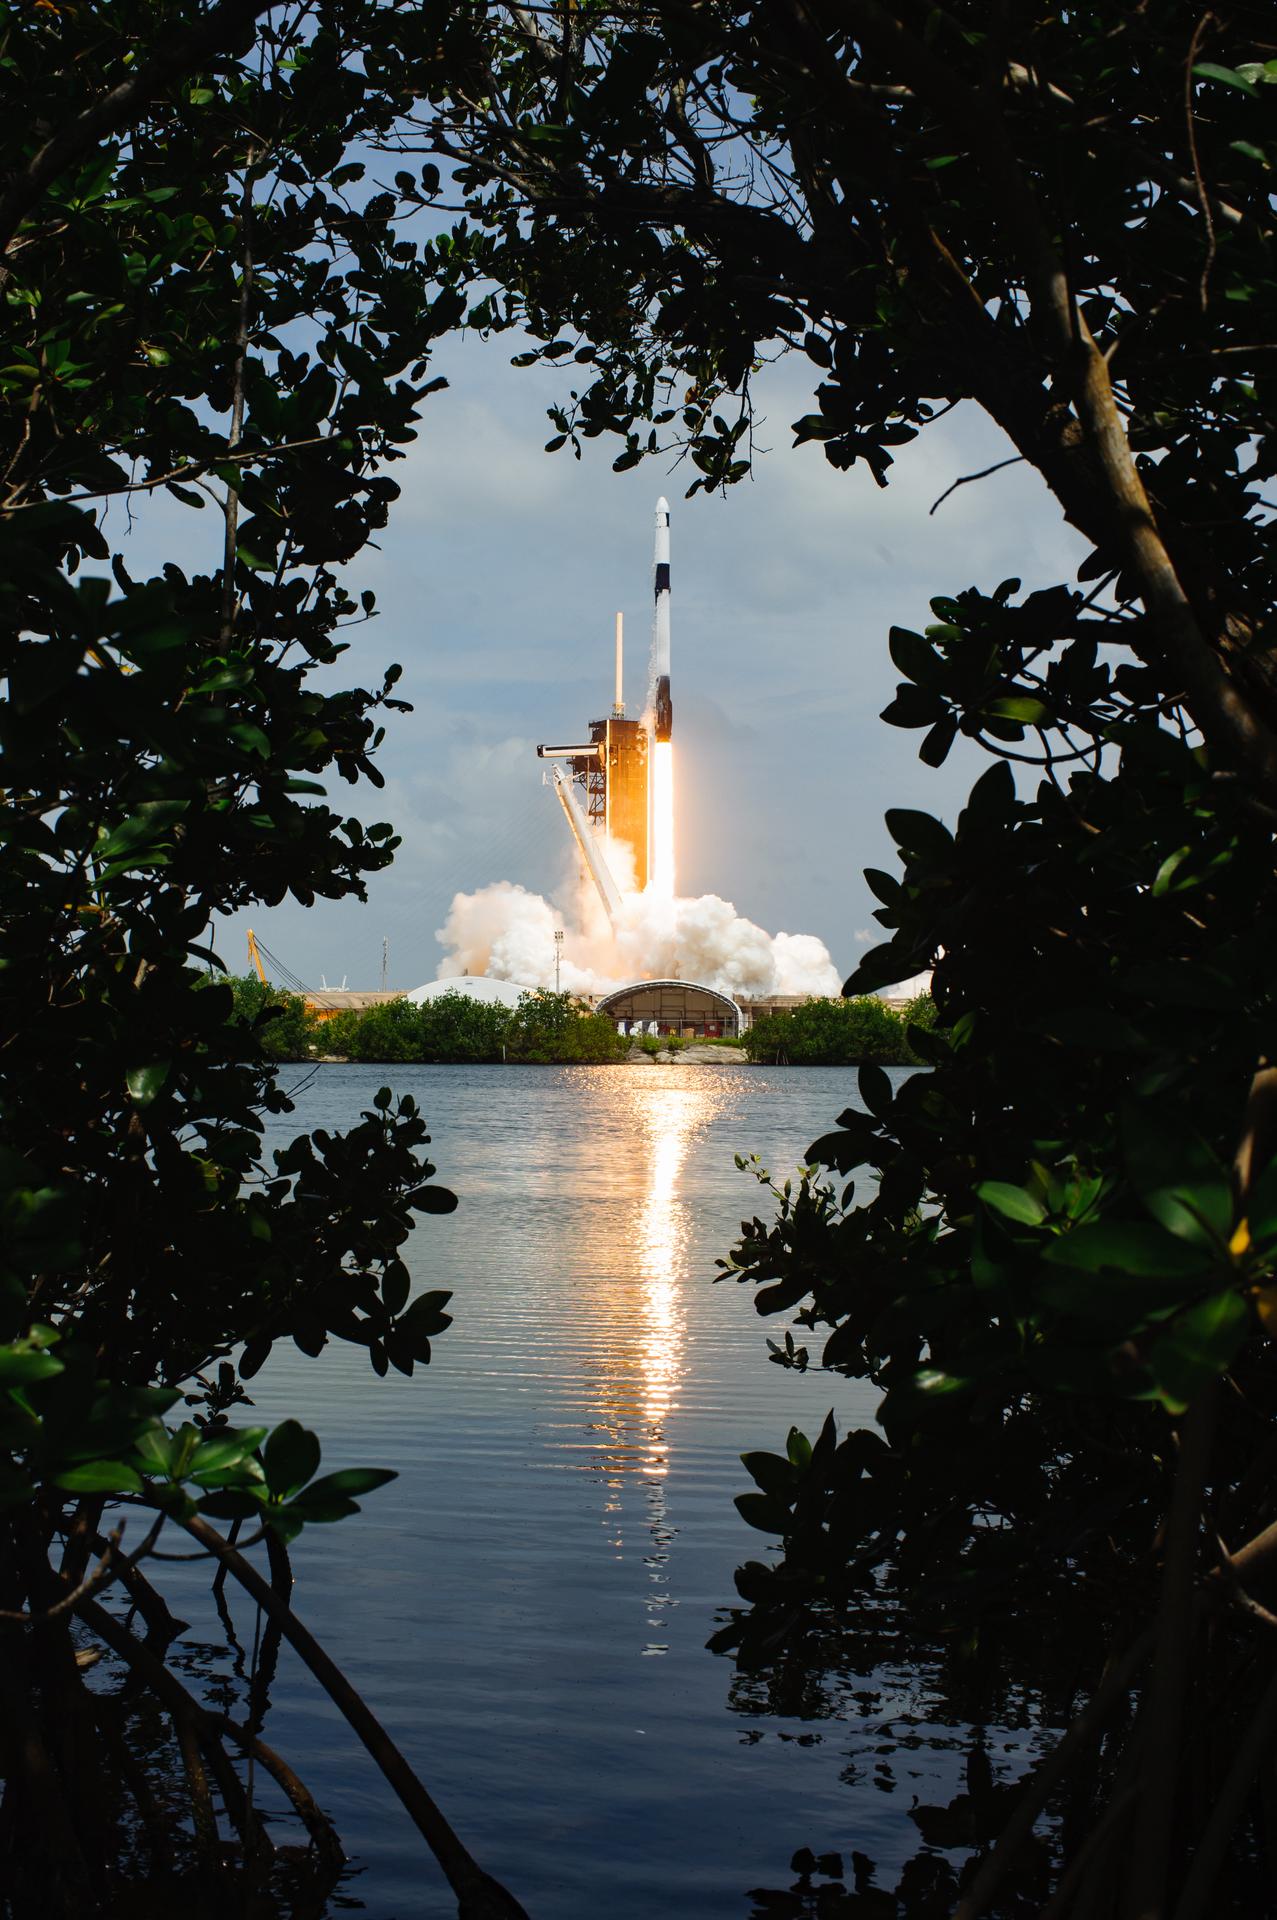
{"type": "Point", "coordinates": [551, 1029]}
{"type": "Point", "coordinates": [840, 1033]}
{"type": "Point", "coordinates": [545, 1028]}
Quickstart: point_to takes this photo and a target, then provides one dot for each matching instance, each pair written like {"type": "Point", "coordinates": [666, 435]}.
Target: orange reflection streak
{"type": "Point", "coordinates": [638, 1298]}
{"type": "Point", "coordinates": [669, 1117]}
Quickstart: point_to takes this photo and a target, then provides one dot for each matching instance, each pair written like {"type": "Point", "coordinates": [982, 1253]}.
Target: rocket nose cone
{"type": "Point", "coordinates": [663, 506]}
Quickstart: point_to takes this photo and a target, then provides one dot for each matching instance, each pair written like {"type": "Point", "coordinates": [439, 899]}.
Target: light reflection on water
{"type": "Point", "coordinates": [643, 1128]}
{"type": "Point", "coordinates": [644, 1310]}
{"type": "Point", "coordinates": [639, 1394]}
{"type": "Point", "coordinates": [527, 1607]}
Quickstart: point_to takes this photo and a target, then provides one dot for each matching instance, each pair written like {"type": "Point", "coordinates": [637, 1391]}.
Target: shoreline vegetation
{"type": "Point", "coordinates": [553, 1029]}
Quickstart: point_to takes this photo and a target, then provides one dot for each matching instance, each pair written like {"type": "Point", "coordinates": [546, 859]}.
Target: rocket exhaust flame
{"type": "Point", "coordinates": [626, 920]}
{"type": "Point", "coordinates": [662, 880]}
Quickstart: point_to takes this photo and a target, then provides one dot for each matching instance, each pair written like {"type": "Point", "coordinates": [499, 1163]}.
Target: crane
{"type": "Point", "coordinates": [255, 958]}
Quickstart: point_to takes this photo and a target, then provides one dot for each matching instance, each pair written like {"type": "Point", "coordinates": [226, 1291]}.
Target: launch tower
{"type": "Point", "coordinates": [605, 785]}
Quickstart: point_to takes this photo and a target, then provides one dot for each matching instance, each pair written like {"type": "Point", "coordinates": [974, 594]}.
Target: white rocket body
{"type": "Point", "coordinates": [662, 705]}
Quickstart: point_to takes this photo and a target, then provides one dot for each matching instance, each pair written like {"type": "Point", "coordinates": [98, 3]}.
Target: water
{"type": "Point", "coordinates": [526, 1608]}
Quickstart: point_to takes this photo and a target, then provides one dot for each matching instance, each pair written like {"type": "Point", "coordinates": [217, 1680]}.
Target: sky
{"type": "Point", "coordinates": [497, 582]}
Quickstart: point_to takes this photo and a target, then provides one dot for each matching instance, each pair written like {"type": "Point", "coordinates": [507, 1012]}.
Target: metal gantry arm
{"type": "Point", "coordinates": [606, 886]}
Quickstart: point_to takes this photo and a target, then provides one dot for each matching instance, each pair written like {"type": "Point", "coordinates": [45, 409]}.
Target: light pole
{"type": "Point", "coordinates": [558, 955]}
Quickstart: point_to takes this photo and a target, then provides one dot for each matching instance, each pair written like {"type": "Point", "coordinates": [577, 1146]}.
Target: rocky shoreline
{"type": "Point", "coordinates": [689, 1056]}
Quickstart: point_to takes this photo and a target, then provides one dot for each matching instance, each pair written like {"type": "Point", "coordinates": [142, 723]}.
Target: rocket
{"type": "Point", "coordinates": [662, 705]}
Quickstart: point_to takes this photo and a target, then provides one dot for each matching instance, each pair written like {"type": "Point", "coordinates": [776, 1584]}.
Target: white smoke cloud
{"type": "Point", "coordinates": [802, 960]}
{"type": "Point", "coordinates": [507, 932]}
{"type": "Point", "coordinates": [502, 930]}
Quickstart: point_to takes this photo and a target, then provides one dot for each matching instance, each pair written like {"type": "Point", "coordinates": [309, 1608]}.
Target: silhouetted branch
{"type": "Point", "coordinates": [1017, 459]}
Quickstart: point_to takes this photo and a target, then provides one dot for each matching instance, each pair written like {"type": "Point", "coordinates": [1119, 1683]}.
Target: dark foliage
{"type": "Point", "coordinates": [839, 1033]}
{"type": "Point", "coordinates": [203, 302]}
{"type": "Point", "coordinates": [282, 1023]}
{"type": "Point", "coordinates": [1056, 1262]}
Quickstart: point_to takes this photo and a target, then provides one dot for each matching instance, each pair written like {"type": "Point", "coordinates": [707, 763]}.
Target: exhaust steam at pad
{"type": "Point", "coordinates": [622, 910]}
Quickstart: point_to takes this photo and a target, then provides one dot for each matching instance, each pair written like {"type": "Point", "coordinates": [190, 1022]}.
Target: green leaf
{"type": "Point", "coordinates": [929, 1392]}
{"type": "Point", "coordinates": [251, 738]}
{"type": "Point", "coordinates": [932, 1384]}
{"type": "Point", "coordinates": [914, 707]}
{"type": "Point", "coordinates": [934, 750]}
{"type": "Point", "coordinates": [20, 1365]}
{"type": "Point", "coordinates": [426, 1313]}
{"type": "Point", "coordinates": [916, 658]}
{"type": "Point", "coordinates": [1024, 707]}
{"type": "Point", "coordinates": [312, 1506]}
{"type": "Point", "coordinates": [395, 1286]}
{"type": "Point", "coordinates": [156, 1449]}
{"type": "Point", "coordinates": [350, 1482]}
{"type": "Point", "coordinates": [884, 886]}
{"type": "Point", "coordinates": [144, 826]}
{"type": "Point", "coordinates": [1197, 1346]}
{"type": "Point", "coordinates": [284, 1522]}
{"type": "Point", "coordinates": [1168, 869]}
{"type": "Point", "coordinates": [432, 1200]}
{"type": "Point", "coordinates": [763, 1511]}
{"type": "Point", "coordinates": [1129, 1247]}
{"type": "Point", "coordinates": [1177, 1176]}
{"type": "Point", "coordinates": [226, 1450]}
{"type": "Point", "coordinates": [145, 1082]}
{"type": "Point", "coordinates": [919, 833]}
{"type": "Point", "coordinates": [1014, 1203]}
{"type": "Point", "coordinates": [290, 1458]}
{"type": "Point", "coordinates": [770, 1471]}
{"type": "Point", "coordinates": [1229, 76]}
{"type": "Point", "coordinates": [813, 426]}
{"type": "Point", "coordinates": [99, 1476]}
{"type": "Point", "coordinates": [256, 1353]}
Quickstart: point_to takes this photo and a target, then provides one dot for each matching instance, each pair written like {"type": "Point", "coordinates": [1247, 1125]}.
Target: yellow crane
{"type": "Point", "coordinates": [255, 958]}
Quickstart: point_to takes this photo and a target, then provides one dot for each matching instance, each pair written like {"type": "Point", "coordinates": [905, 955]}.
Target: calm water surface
{"type": "Point", "coordinates": [526, 1608]}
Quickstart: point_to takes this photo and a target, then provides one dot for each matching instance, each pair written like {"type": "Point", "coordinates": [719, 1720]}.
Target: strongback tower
{"type": "Point", "coordinates": [613, 766]}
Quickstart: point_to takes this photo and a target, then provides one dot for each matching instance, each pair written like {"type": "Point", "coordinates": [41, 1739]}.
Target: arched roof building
{"type": "Point", "coordinates": [673, 1006]}
{"type": "Point", "coordinates": [471, 986]}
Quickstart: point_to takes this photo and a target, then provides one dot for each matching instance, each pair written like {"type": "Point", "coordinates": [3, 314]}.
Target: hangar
{"type": "Point", "coordinates": [673, 1006]}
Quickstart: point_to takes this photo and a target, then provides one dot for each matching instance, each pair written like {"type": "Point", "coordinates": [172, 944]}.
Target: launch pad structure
{"type": "Point", "coordinates": [611, 770]}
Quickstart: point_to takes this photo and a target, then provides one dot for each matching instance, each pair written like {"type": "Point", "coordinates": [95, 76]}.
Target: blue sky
{"type": "Point", "coordinates": [497, 582]}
